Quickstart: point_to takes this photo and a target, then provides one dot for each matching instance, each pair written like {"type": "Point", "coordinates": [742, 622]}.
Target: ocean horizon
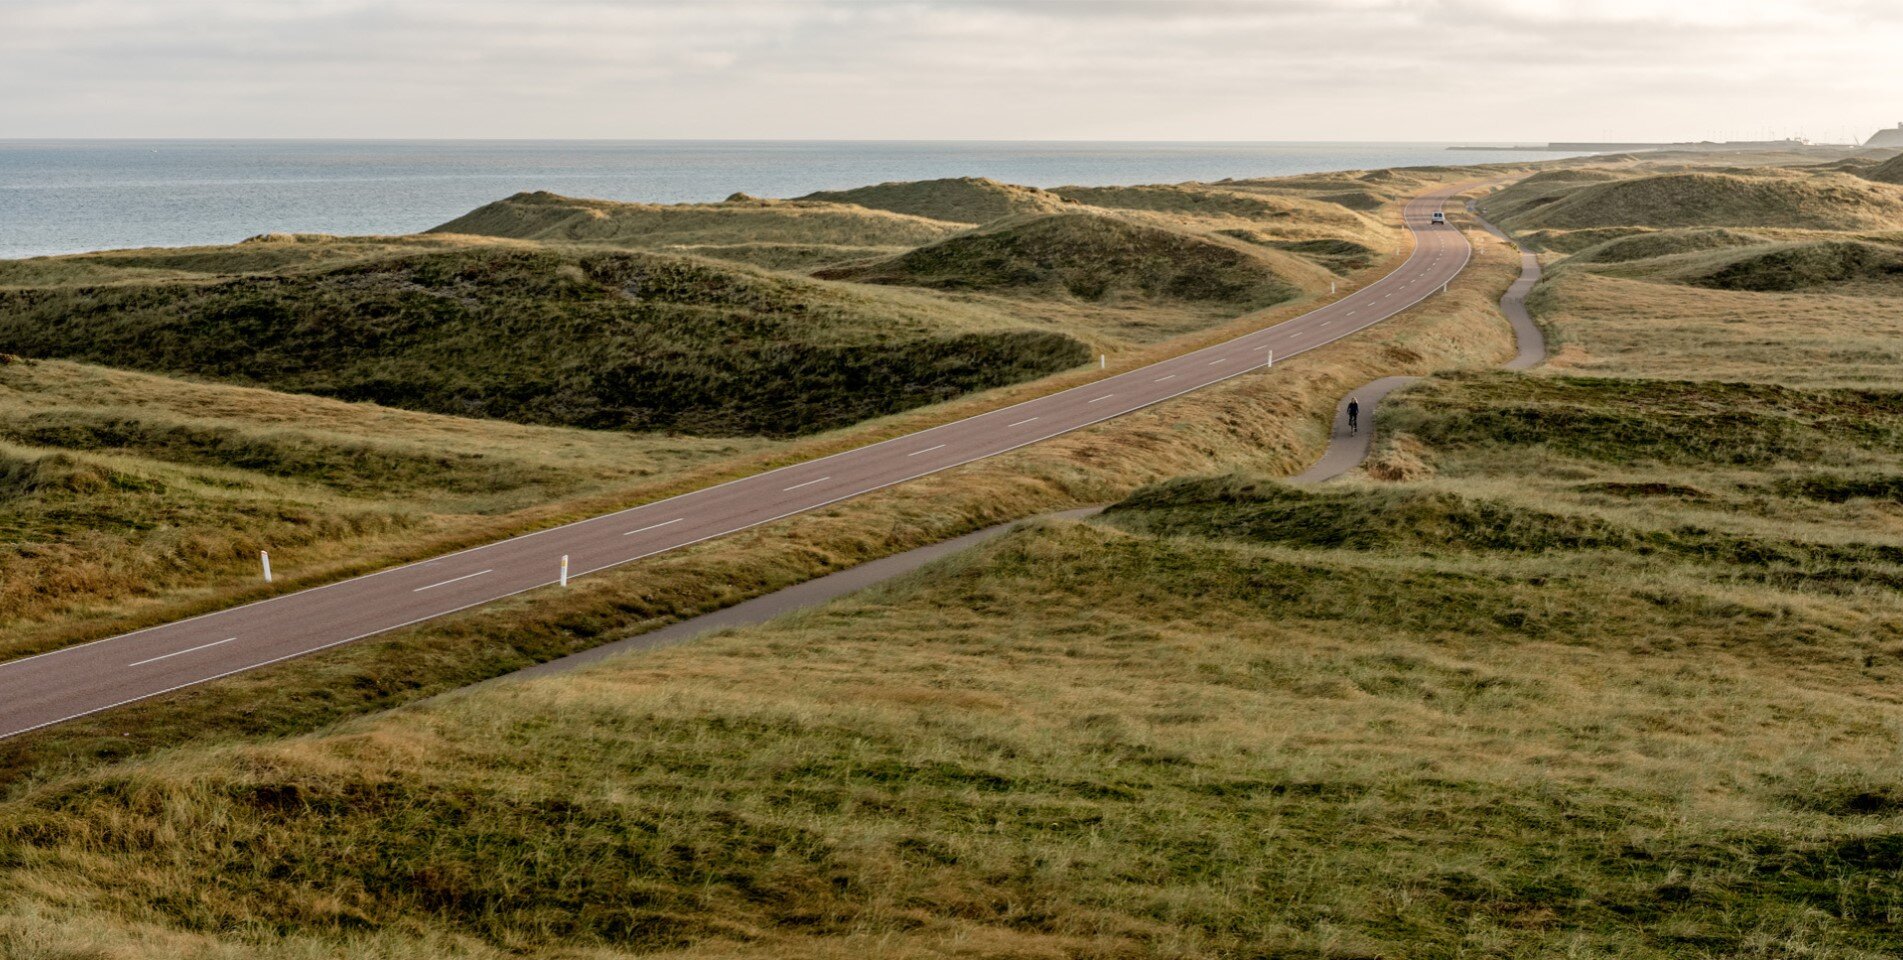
{"type": "Point", "coordinates": [71, 196]}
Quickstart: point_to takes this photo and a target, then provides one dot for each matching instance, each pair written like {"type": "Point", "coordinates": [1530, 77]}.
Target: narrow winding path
{"type": "Point", "coordinates": [1348, 448]}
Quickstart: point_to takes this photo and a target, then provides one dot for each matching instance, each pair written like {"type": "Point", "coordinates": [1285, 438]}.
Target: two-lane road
{"type": "Point", "coordinates": [71, 682]}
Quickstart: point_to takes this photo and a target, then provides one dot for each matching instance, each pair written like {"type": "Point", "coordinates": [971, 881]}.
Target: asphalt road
{"type": "Point", "coordinates": [74, 681]}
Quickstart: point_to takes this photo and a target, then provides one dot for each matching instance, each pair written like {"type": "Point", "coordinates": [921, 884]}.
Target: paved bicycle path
{"type": "Point", "coordinates": [1348, 447]}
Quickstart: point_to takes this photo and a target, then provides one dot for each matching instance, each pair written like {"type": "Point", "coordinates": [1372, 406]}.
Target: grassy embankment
{"type": "Point", "coordinates": [1607, 669]}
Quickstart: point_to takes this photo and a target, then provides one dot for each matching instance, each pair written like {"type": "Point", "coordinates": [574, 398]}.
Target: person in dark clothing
{"type": "Point", "coordinates": [1354, 416]}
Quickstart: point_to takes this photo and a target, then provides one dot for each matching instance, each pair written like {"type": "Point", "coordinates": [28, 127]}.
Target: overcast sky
{"type": "Point", "coordinates": [1516, 70]}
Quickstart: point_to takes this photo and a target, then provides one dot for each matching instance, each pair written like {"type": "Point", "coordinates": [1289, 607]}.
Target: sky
{"type": "Point", "coordinates": [1434, 70]}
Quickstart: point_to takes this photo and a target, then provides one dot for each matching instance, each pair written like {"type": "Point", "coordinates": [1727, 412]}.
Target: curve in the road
{"type": "Point", "coordinates": [74, 681]}
{"type": "Point", "coordinates": [1348, 447]}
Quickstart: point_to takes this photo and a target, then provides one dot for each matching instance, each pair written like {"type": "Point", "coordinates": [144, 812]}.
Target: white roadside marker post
{"type": "Point", "coordinates": [564, 569]}
{"type": "Point", "coordinates": [265, 556]}
{"type": "Point", "coordinates": [1103, 361]}
{"type": "Point", "coordinates": [1331, 288]}
{"type": "Point", "coordinates": [1270, 362]}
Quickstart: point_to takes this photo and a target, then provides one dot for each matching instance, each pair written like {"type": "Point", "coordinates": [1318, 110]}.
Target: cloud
{"type": "Point", "coordinates": [1189, 69]}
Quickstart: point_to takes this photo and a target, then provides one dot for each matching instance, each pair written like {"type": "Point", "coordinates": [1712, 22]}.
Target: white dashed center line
{"type": "Point", "coordinates": [1104, 397]}
{"type": "Point", "coordinates": [176, 653]}
{"type": "Point", "coordinates": [1161, 379]}
{"type": "Point", "coordinates": [926, 450]}
{"type": "Point", "coordinates": [806, 484]}
{"type": "Point", "coordinates": [451, 580]}
{"type": "Point", "coordinates": [653, 527]}
{"type": "Point", "coordinates": [1020, 422]}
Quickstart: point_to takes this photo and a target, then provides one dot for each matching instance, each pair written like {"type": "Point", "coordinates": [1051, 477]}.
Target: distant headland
{"type": "Point", "coordinates": [1888, 137]}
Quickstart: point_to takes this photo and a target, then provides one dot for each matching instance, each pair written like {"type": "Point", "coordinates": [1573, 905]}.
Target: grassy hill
{"type": "Point", "coordinates": [775, 233]}
{"type": "Point", "coordinates": [1890, 171]}
{"type": "Point", "coordinates": [265, 254]}
{"type": "Point", "coordinates": [1843, 266]}
{"type": "Point", "coordinates": [1212, 202]}
{"type": "Point", "coordinates": [963, 200]}
{"type": "Point", "coordinates": [122, 492]}
{"type": "Point", "coordinates": [1089, 257]}
{"type": "Point", "coordinates": [1650, 244]}
{"type": "Point", "coordinates": [1707, 199]}
{"type": "Point", "coordinates": [625, 341]}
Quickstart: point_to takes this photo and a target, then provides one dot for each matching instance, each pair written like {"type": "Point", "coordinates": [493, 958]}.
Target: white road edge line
{"type": "Point", "coordinates": [451, 580]}
{"type": "Point", "coordinates": [926, 450]}
{"type": "Point", "coordinates": [806, 484]}
{"type": "Point", "coordinates": [656, 526]}
{"type": "Point", "coordinates": [175, 653]}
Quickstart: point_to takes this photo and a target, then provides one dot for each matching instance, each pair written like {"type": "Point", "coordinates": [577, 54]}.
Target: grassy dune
{"type": "Point", "coordinates": [1889, 171]}
{"type": "Point", "coordinates": [1088, 257]}
{"type": "Point", "coordinates": [1707, 199]}
{"type": "Point", "coordinates": [123, 494]}
{"type": "Point", "coordinates": [962, 200]}
{"type": "Point", "coordinates": [782, 234]}
{"type": "Point", "coordinates": [556, 336]}
{"type": "Point", "coordinates": [262, 255]}
{"type": "Point", "coordinates": [1805, 291]}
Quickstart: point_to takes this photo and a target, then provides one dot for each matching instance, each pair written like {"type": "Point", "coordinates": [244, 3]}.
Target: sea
{"type": "Point", "coordinates": [69, 196]}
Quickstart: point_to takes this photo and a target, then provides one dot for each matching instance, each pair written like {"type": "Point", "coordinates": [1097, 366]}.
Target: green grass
{"type": "Point", "coordinates": [1088, 257]}
{"type": "Point", "coordinates": [1650, 244]}
{"type": "Point", "coordinates": [1825, 201]}
{"type": "Point", "coordinates": [121, 493]}
{"type": "Point", "coordinates": [1889, 171]}
{"type": "Point", "coordinates": [1839, 265]}
{"type": "Point", "coordinates": [783, 234]}
{"type": "Point", "coordinates": [569, 337]}
{"type": "Point", "coordinates": [1768, 274]}
{"type": "Point", "coordinates": [960, 200]}
{"type": "Point", "coordinates": [266, 254]}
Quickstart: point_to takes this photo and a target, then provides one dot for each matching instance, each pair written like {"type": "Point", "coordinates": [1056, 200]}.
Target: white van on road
{"type": "Point", "coordinates": [1440, 216]}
